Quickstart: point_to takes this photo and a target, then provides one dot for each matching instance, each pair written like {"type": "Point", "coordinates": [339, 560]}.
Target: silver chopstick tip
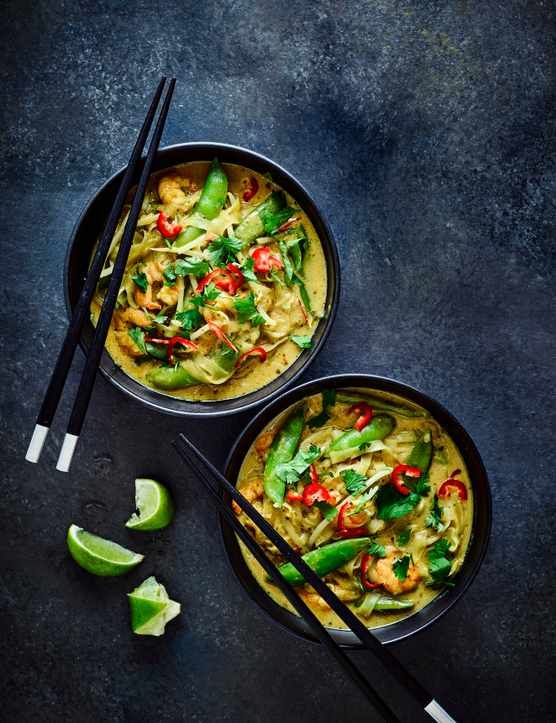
{"type": "Point", "coordinates": [36, 444]}
{"type": "Point", "coordinates": [66, 453]}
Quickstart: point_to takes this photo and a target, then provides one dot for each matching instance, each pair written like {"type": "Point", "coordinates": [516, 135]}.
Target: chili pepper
{"type": "Point", "coordinates": [168, 230]}
{"type": "Point", "coordinates": [226, 279]}
{"type": "Point", "coordinates": [325, 559]}
{"type": "Point", "coordinates": [314, 475]}
{"type": "Point", "coordinates": [282, 450]}
{"type": "Point", "coordinates": [344, 530]}
{"type": "Point", "coordinates": [264, 260]}
{"type": "Point", "coordinates": [456, 484]}
{"type": "Point", "coordinates": [380, 426]}
{"type": "Point", "coordinates": [251, 189]}
{"type": "Point", "coordinates": [365, 562]}
{"type": "Point", "coordinates": [397, 480]}
{"type": "Point", "coordinates": [365, 413]}
{"type": "Point", "coordinates": [287, 224]}
{"type": "Point", "coordinates": [219, 334]}
{"type": "Point", "coordinates": [171, 343]}
{"type": "Point", "coordinates": [255, 351]}
{"type": "Point", "coordinates": [292, 496]}
{"type": "Point", "coordinates": [315, 492]}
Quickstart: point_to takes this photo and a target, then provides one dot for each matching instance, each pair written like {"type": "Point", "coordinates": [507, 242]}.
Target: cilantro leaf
{"type": "Point", "coordinates": [223, 250]}
{"type": "Point", "coordinates": [272, 220]}
{"type": "Point", "coordinates": [434, 518]}
{"type": "Point", "coordinates": [354, 482]}
{"type": "Point", "coordinates": [439, 557]}
{"type": "Point", "coordinates": [248, 269]}
{"type": "Point", "coordinates": [138, 337]}
{"type": "Point", "coordinates": [391, 504]}
{"type": "Point", "coordinates": [247, 311]}
{"type": "Point", "coordinates": [304, 342]}
{"type": "Point", "coordinates": [377, 549]}
{"type": "Point", "coordinates": [401, 566]}
{"type": "Point", "coordinates": [291, 471]}
{"type": "Point", "coordinates": [190, 319]}
{"type": "Point", "coordinates": [403, 537]}
{"type": "Point", "coordinates": [209, 293]}
{"type": "Point", "coordinates": [328, 400]}
{"type": "Point", "coordinates": [184, 267]}
{"type": "Point", "coordinates": [140, 280]}
{"type": "Point", "coordinates": [329, 512]}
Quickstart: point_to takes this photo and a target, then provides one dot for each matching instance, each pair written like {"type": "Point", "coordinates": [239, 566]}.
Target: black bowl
{"type": "Point", "coordinates": [89, 226]}
{"type": "Point", "coordinates": [481, 517]}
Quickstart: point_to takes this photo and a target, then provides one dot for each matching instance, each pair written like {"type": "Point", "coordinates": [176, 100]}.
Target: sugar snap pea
{"type": "Point", "coordinates": [169, 378]}
{"type": "Point", "coordinates": [283, 448]}
{"type": "Point", "coordinates": [390, 604]}
{"type": "Point", "coordinates": [421, 454]}
{"type": "Point", "coordinates": [252, 225]}
{"type": "Point", "coordinates": [325, 559]}
{"type": "Point", "coordinates": [380, 426]}
{"type": "Point", "coordinates": [211, 202]}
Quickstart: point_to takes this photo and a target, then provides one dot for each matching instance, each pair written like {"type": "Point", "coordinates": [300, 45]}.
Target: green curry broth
{"type": "Point", "coordinates": [445, 461]}
{"type": "Point", "coordinates": [254, 374]}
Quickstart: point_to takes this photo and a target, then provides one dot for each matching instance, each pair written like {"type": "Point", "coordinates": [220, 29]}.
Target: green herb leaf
{"type": "Point", "coordinates": [223, 250]}
{"type": "Point", "coordinates": [247, 311]}
{"type": "Point", "coordinates": [138, 336]}
{"type": "Point", "coordinates": [328, 401]}
{"type": "Point", "coordinates": [304, 342]}
{"type": "Point", "coordinates": [439, 557]}
{"type": "Point", "coordinates": [290, 472]}
{"type": "Point", "coordinates": [329, 512]}
{"type": "Point", "coordinates": [354, 482]}
{"type": "Point", "coordinates": [377, 549]}
{"type": "Point", "coordinates": [209, 293]}
{"type": "Point", "coordinates": [140, 280]}
{"type": "Point", "coordinates": [247, 269]}
{"type": "Point", "coordinates": [303, 293]}
{"type": "Point", "coordinates": [391, 504]}
{"type": "Point", "coordinates": [434, 518]}
{"type": "Point", "coordinates": [288, 266]}
{"type": "Point", "coordinates": [401, 566]}
{"type": "Point", "coordinates": [160, 318]}
{"type": "Point", "coordinates": [403, 537]}
{"type": "Point", "coordinates": [190, 319]}
{"type": "Point", "coordinates": [273, 220]}
{"type": "Point", "coordinates": [185, 267]}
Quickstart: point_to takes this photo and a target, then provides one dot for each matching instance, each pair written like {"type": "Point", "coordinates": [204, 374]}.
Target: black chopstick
{"type": "Point", "coordinates": [390, 662]}
{"type": "Point", "coordinates": [85, 389]}
{"type": "Point", "coordinates": [81, 311]}
{"type": "Point", "coordinates": [317, 628]}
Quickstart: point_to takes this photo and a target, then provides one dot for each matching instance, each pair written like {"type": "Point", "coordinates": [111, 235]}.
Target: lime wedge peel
{"type": "Point", "coordinates": [99, 556]}
{"type": "Point", "coordinates": [154, 504]}
{"type": "Point", "coordinates": [151, 608]}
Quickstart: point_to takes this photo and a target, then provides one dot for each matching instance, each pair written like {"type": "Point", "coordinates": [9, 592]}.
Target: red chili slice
{"type": "Point", "coordinates": [171, 343]}
{"type": "Point", "coordinates": [255, 351]}
{"type": "Point", "coordinates": [287, 224]}
{"type": "Point", "coordinates": [397, 480]}
{"type": "Point", "coordinates": [292, 496]}
{"type": "Point", "coordinates": [313, 474]}
{"type": "Point", "coordinates": [315, 492]}
{"type": "Point", "coordinates": [264, 260]}
{"type": "Point", "coordinates": [219, 334]}
{"type": "Point", "coordinates": [228, 279]}
{"type": "Point", "coordinates": [365, 563]}
{"type": "Point", "coordinates": [365, 415]}
{"type": "Point", "coordinates": [455, 484]}
{"type": "Point", "coordinates": [168, 230]}
{"type": "Point", "coordinates": [251, 189]}
{"type": "Point", "coordinates": [344, 530]}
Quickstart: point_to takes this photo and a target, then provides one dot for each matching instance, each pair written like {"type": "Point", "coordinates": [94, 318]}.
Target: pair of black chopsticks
{"type": "Point", "coordinates": [215, 483]}
{"type": "Point", "coordinates": [81, 311]}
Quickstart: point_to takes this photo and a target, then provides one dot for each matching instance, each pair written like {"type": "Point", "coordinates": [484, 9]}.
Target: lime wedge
{"type": "Point", "coordinates": [154, 504]}
{"type": "Point", "coordinates": [99, 556]}
{"type": "Point", "coordinates": [151, 608]}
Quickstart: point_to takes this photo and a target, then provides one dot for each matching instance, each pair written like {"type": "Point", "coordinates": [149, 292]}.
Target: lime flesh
{"type": "Point", "coordinates": [155, 506]}
{"type": "Point", "coordinates": [99, 556]}
{"type": "Point", "coordinates": [151, 608]}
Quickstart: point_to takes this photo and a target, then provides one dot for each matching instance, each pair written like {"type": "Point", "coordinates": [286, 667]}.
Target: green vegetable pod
{"type": "Point", "coordinates": [391, 604]}
{"type": "Point", "coordinates": [421, 454]}
{"type": "Point", "coordinates": [156, 350]}
{"type": "Point", "coordinates": [215, 370]}
{"type": "Point", "coordinates": [252, 225]}
{"type": "Point", "coordinates": [282, 450]}
{"type": "Point", "coordinates": [382, 405]}
{"type": "Point", "coordinates": [170, 378]}
{"type": "Point", "coordinates": [213, 195]}
{"type": "Point", "coordinates": [188, 235]}
{"type": "Point", "coordinates": [352, 443]}
{"type": "Point", "coordinates": [325, 559]}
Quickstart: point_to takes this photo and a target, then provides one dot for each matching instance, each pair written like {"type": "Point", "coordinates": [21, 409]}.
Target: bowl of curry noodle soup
{"type": "Point", "coordinates": [230, 288]}
{"type": "Point", "coordinates": [379, 488]}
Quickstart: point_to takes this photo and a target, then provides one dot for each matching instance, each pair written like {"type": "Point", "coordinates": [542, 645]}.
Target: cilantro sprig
{"type": "Point", "coordinates": [247, 310]}
{"type": "Point", "coordinates": [290, 472]}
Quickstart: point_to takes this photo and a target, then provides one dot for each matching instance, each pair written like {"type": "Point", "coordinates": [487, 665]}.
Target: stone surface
{"type": "Point", "coordinates": [426, 132]}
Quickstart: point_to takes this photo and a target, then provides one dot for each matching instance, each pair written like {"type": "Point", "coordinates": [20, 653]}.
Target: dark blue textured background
{"type": "Point", "coordinates": [426, 132]}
